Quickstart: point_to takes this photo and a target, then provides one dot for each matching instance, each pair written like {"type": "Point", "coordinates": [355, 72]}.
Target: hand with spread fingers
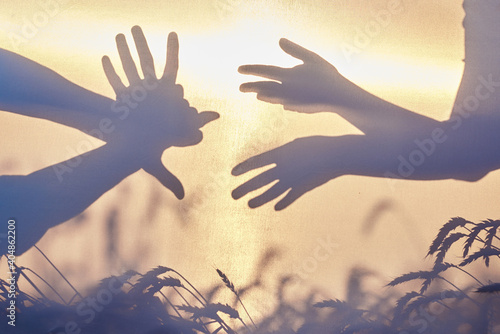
{"type": "Point", "coordinates": [153, 112]}
{"type": "Point", "coordinates": [149, 116]}
{"type": "Point", "coordinates": [307, 163]}
{"type": "Point", "coordinates": [300, 166]}
{"type": "Point", "coordinates": [317, 86]}
{"type": "Point", "coordinates": [309, 87]}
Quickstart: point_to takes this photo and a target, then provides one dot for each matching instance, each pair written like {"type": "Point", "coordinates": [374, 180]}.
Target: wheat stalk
{"type": "Point", "coordinates": [231, 287]}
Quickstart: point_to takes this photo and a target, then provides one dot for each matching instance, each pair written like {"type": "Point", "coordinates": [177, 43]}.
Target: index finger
{"type": "Point", "coordinates": [172, 65]}
{"type": "Point", "coordinates": [206, 117]}
{"type": "Point", "coordinates": [265, 71]}
{"type": "Point", "coordinates": [298, 51]}
{"type": "Point", "coordinates": [166, 178]}
{"type": "Point", "coordinates": [113, 78]}
{"type": "Point", "coordinates": [255, 162]}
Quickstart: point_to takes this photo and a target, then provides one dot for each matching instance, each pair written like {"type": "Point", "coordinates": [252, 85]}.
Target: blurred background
{"type": "Point", "coordinates": [411, 57]}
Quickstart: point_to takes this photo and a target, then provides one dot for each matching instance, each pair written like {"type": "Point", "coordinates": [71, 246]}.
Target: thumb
{"type": "Point", "coordinates": [169, 180]}
{"type": "Point", "coordinates": [206, 117]}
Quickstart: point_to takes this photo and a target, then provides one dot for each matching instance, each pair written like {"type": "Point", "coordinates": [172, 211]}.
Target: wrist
{"type": "Point", "coordinates": [136, 152]}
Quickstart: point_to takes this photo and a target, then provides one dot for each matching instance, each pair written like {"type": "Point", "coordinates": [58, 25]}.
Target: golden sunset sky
{"type": "Point", "coordinates": [413, 59]}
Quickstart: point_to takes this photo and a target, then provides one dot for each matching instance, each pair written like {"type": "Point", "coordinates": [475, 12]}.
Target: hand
{"type": "Point", "coordinates": [307, 87]}
{"type": "Point", "coordinates": [153, 112]}
{"type": "Point", "coordinates": [300, 166]}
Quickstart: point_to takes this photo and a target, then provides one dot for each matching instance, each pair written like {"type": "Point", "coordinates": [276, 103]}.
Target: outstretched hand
{"type": "Point", "coordinates": [307, 87]}
{"type": "Point", "coordinates": [153, 112]}
{"type": "Point", "coordinates": [300, 166]}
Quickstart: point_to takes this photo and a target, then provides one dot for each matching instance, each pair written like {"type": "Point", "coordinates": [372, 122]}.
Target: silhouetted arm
{"type": "Point", "coordinates": [465, 150]}
{"type": "Point", "coordinates": [160, 119]}
{"type": "Point", "coordinates": [49, 196]}
{"type": "Point", "coordinates": [317, 86]}
{"type": "Point", "coordinates": [152, 98]}
{"type": "Point", "coordinates": [479, 91]}
{"type": "Point", "coordinates": [28, 88]}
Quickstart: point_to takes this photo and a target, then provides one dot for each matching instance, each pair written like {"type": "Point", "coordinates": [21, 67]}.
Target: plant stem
{"type": "Point", "coordinates": [458, 289]}
{"type": "Point", "coordinates": [191, 285]}
{"type": "Point", "coordinates": [466, 272]}
{"type": "Point", "coordinates": [45, 256]}
{"type": "Point", "coordinates": [50, 286]}
{"type": "Point", "coordinates": [248, 314]}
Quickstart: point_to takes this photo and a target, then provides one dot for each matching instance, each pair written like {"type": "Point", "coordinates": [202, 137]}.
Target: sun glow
{"type": "Point", "coordinates": [212, 48]}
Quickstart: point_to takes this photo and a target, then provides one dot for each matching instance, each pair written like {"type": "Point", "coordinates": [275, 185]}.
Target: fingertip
{"type": "Point", "coordinates": [286, 201]}
{"type": "Point", "coordinates": [252, 204]}
{"type": "Point", "coordinates": [206, 117]}
{"type": "Point", "coordinates": [178, 190]}
{"type": "Point", "coordinates": [245, 88]}
{"type": "Point", "coordinates": [180, 194]}
{"type": "Point", "coordinates": [235, 195]}
{"type": "Point", "coordinates": [243, 69]}
{"type": "Point", "coordinates": [284, 42]}
{"type": "Point", "coordinates": [289, 47]}
{"type": "Point", "coordinates": [237, 171]}
{"type": "Point", "coordinates": [280, 206]}
{"type": "Point", "coordinates": [211, 115]}
{"type": "Point", "coordinates": [136, 29]}
{"type": "Point", "coordinates": [120, 37]}
{"type": "Point", "coordinates": [172, 36]}
{"type": "Point", "coordinates": [106, 64]}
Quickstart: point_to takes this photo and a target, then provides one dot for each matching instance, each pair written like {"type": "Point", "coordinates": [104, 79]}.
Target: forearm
{"type": "Point", "coordinates": [373, 115]}
{"type": "Point", "coordinates": [31, 89]}
{"type": "Point", "coordinates": [73, 185]}
{"type": "Point", "coordinates": [57, 193]}
{"type": "Point", "coordinates": [465, 151]}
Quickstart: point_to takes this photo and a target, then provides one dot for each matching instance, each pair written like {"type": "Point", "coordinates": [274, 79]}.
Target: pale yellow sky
{"type": "Point", "coordinates": [413, 60]}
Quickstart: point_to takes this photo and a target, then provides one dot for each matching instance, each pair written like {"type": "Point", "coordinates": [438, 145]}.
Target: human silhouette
{"type": "Point", "coordinates": [137, 131]}
{"type": "Point", "coordinates": [397, 143]}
